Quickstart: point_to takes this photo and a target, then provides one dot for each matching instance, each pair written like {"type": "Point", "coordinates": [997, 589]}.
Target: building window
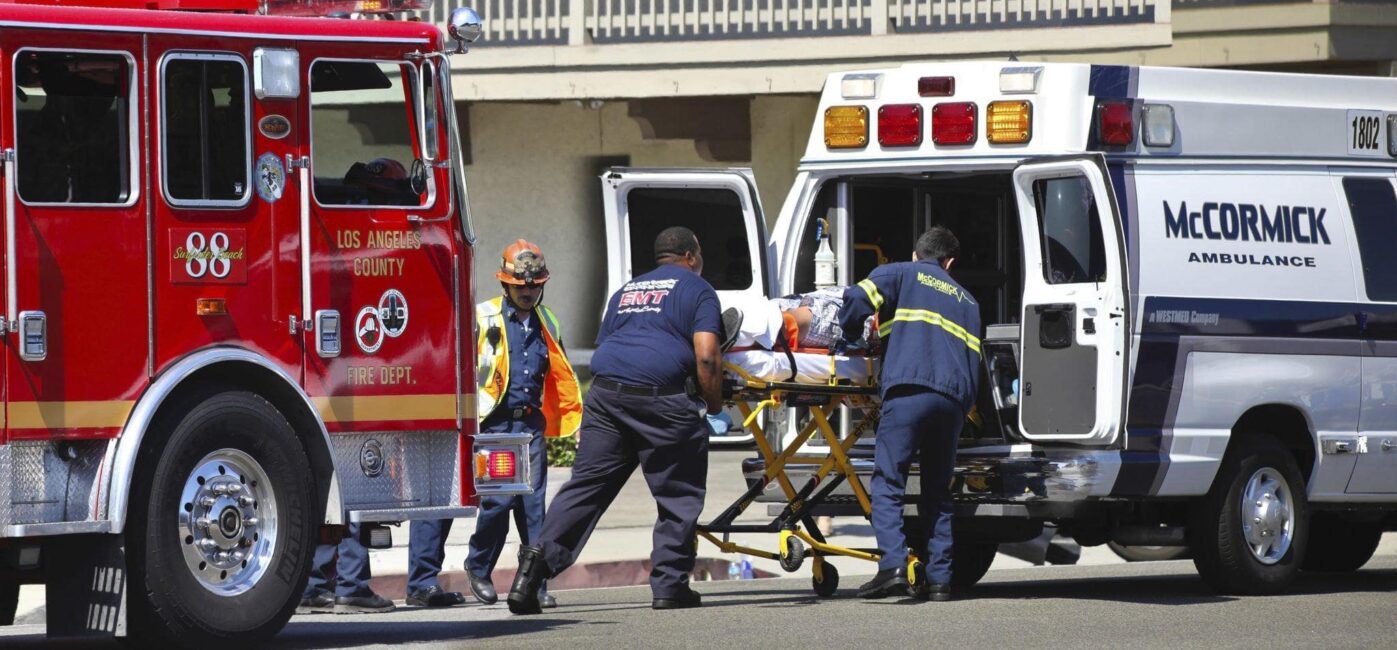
{"type": "Point", "coordinates": [73, 127]}
{"type": "Point", "coordinates": [1072, 247]}
{"type": "Point", "coordinates": [1373, 205]}
{"type": "Point", "coordinates": [715, 216]}
{"type": "Point", "coordinates": [205, 129]}
{"type": "Point", "coordinates": [363, 131]}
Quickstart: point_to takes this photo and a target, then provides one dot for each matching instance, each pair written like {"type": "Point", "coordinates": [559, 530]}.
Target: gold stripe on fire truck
{"type": "Point", "coordinates": [70, 415]}
{"type": "Point", "coordinates": [381, 408]}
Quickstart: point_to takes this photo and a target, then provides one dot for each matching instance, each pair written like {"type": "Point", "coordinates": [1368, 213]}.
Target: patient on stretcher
{"type": "Point", "coordinates": [765, 337]}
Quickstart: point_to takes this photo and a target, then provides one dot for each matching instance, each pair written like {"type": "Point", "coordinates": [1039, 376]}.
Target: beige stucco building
{"type": "Point", "coordinates": [558, 90]}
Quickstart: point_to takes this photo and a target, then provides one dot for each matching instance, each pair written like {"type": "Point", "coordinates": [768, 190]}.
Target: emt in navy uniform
{"type": "Point", "coordinates": [526, 386]}
{"type": "Point", "coordinates": [931, 371]}
{"type": "Point", "coordinates": [660, 330]}
{"type": "Point", "coordinates": [339, 580]}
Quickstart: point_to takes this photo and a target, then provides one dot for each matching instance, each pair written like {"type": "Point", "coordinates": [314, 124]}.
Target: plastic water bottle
{"type": "Point", "coordinates": [825, 261]}
{"type": "Point", "coordinates": [734, 570]}
{"type": "Point", "coordinates": [746, 568]}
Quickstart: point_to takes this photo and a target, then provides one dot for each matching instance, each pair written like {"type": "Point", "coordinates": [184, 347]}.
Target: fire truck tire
{"type": "Point", "coordinates": [9, 599]}
{"type": "Point", "coordinates": [1248, 535]}
{"type": "Point", "coordinates": [220, 539]}
{"type": "Point", "coordinates": [1338, 545]}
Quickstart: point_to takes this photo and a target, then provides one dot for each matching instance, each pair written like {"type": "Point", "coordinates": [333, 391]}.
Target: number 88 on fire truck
{"type": "Point", "coordinates": [238, 306]}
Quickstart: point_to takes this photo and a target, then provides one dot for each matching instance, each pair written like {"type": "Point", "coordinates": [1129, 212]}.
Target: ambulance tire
{"type": "Point", "coordinates": [1221, 551]}
{"type": "Point", "coordinates": [171, 602]}
{"type": "Point", "coordinates": [1338, 545]}
{"type": "Point", "coordinates": [9, 599]}
{"type": "Point", "coordinates": [970, 561]}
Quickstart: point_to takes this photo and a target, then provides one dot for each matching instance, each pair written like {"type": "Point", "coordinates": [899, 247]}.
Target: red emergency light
{"type": "Point", "coordinates": [501, 464]}
{"type": "Point", "coordinates": [1114, 123]}
{"type": "Point", "coordinates": [342, 7]}
{"type": "Point", "coordinates": [900, 125]}
{"type": "Point", "coordinates": [953, 123]}
{"type": "Point", "coordinates": [936, 86]}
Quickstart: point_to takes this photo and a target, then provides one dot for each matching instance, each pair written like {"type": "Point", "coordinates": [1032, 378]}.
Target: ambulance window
{"type": "Point", "coordinates": [715, 216]}
{"type": "Point", "coordinates": [206, 130]}
{"type": "Point", "coordinates": [73, 127]}
{"type": "Point", "coordinates": [362, 133]}
{"type": "Point", "coordinates": [1373, 205]}
{"type": "Point", "coordinates": [1073, 250]}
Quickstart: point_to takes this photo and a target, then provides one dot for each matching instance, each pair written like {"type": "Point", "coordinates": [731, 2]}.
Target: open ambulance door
{"type": "Point", "coordinates": [719, 205]}
{"type": "Point", "coordinates": [1075, 322]}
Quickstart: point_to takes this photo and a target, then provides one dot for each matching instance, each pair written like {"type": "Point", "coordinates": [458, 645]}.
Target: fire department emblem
{"type": "Point", "coordinates": [368, 330]}
{"type": "Point", "coordinates": [271, 177]}
{"type": "Point", "coordinates": [392, 312]}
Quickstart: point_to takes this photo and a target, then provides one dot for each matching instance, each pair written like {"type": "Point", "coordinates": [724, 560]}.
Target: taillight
{"type": "Point", "coordinates": [953, 123]}
{"type": "Point", "coordinates": [936, 86]}
{"type": "Point", "coordinates": [501, 465]}
{"type": "Point", "coordinates": [1114, 123]}
{"type": "Point", "coordinates": [1009, 122]}
{"type": "Point", "coordinates": [900, 125]}
{"type": "Point", "coordinates": [846, 127]}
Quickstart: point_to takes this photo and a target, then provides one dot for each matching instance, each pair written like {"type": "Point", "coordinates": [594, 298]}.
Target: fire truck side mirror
{"type": "Point", "coordinates": [464, 27]}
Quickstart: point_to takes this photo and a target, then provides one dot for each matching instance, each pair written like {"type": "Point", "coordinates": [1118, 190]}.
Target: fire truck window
{"type": "Point", "coordinates": [1073, 250]}
{"type": "Point", "coordinates": [206, 129]}
{"type": "Point", "coordinates": [72, 119]}
{"type": "Point", "coordinates": [715, 216]}
{"type": "Point", "coordinates": [363, 133]}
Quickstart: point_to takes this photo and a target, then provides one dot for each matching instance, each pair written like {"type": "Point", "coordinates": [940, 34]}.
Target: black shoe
{"type": "Point", "coordinates": [683, 600]}
{"type": "Point", "coordinates": [370, 604]}
{"type": "Point", "coordinates": [888, 582]}
{"type": "Point", "coordinates": [483, 589]}
{"type": "Point", "coordinates": [545, 599]}
{"type": "Point", "coordinates": [533, 570]}
{"type": "Point", "coordinates": [321, 603]}
{"type": "Point", "coordinates": [433, 596]}
{"type": "Point", "coordinates": [937, 591]}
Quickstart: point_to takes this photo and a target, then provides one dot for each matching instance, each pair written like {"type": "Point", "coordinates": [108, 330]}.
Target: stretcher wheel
{"type": "Point", "coordinates": [826, 587]}
{"type": "Point", "coordinates": [792, 555]}
{"type": "Point", "coordinates": [921, 586]}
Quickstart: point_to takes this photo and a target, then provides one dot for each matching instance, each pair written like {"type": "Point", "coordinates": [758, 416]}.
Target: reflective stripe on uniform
{"type": "Point", "coordinates": [933, 318]}
{"type": "Point", "coordinates": [872, 291]}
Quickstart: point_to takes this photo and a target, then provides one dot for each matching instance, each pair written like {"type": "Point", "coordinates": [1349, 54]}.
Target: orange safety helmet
{"type": "Point", "coordinates": [522, 263]}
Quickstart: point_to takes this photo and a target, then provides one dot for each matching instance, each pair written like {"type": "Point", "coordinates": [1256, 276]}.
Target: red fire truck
{"type": "Point", "coordinates": [238, 306]}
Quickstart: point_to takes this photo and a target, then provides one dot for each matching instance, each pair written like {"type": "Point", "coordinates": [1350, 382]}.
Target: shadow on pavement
{"type": "Point", "coordinates": [362, 631]}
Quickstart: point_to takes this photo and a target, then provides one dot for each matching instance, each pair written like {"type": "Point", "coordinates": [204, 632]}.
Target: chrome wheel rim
{"type": "Point", "coordinates": [228, 522]}
{"type": "Point", "coordinates": [1267, 515]}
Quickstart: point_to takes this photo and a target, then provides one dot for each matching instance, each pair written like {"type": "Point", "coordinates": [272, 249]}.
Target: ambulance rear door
{"type": "Point", "coordinates": [1075, 322]}
{"type": "Point", "coordinates": [719, 205]}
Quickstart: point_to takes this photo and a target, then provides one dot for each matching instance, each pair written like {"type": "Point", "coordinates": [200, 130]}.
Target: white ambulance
{"type": "Point", "coordinates": [1187, 278]}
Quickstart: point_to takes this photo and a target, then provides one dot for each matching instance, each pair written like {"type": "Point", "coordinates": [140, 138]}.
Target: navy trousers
{"type": "Point", "coordinates": [667, 437]}
{"type": "Point", "coordinates": [342, 568]}
{"type": "Point", "coordinates": [924, 424]}
{"type": "Point", "coordinates": [427, 539]}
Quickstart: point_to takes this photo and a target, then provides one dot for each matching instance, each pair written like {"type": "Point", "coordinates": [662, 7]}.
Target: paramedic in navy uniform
{"type": "Point", "coordinates": [660, 330]}
{"type": "Point", "coordinates": [931, 369]}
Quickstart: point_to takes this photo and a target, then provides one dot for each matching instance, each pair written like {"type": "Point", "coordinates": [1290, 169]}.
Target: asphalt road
{"type": "Point", "coordinates": [1142, 605]}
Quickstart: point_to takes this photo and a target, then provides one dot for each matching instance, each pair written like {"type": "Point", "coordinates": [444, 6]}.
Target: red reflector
{"type": "Point", "coordinates": [900, 125]}
{"type": "Point", "coordinates": [501, 464]}
{"type": "Point", "coordinates": [1114, 124]}
{"type": "Point", "coordinates": [936, 86]}
{"type": "Point", "coordinates": [953, 123]}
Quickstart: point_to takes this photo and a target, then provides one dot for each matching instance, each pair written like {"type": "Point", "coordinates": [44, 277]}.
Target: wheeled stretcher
{"type": "Point", "coordinates": [756, 380]}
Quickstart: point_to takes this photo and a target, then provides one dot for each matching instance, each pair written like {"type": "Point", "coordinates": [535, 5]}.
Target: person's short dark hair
{"type": "Point", "coordinates": [675, 240]}
{"type": "Point", "coordinates": [937, 244]}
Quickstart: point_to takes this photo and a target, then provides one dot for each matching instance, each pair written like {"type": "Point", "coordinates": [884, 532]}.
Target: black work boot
{"type": "Point", "coordinates": [888, 582]}
{"type": "Point", "coordinates": [533, 570]}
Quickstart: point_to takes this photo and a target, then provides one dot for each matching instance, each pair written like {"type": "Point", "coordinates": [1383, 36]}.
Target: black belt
{"type": "Point", "coordinates": [645, 391]}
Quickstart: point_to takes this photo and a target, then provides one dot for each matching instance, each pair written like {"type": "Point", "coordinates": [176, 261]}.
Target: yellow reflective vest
{"type": "Point", "coordinates": [562, 398]}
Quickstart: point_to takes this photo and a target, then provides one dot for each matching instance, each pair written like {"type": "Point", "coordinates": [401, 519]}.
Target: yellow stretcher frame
{"type": "Point", "coordinates": [754, 395]}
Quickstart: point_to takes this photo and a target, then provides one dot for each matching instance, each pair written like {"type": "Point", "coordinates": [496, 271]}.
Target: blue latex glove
{"type": "Point", "coordinates": [720, 423]}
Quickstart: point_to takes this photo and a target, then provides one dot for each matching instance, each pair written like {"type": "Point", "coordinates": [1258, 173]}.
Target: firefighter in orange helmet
{"type": "Point", "coordinates": [526, 385]}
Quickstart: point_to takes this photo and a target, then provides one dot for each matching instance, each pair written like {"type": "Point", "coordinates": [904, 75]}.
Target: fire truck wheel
{"type": "Point", "coordinates": [9, 598]}
{"type": "Point", "coordinates": [1338, 545]}
{"type": "Point", "coordinates": [1248, 534]}
{"type": "Point", "coordinates": [220, 540]}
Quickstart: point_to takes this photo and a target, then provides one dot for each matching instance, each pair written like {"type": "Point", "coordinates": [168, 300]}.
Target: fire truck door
{"type": "Point", "coordinates": [76, 288]}
{"type": "Point", "coordinates": [382, 257]}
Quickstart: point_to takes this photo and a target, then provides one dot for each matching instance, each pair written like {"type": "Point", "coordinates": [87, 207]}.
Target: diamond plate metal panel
{"type": "Point", "coordinates": [393, 469]}
{"type": "Point", "coordinates": [48, 482]}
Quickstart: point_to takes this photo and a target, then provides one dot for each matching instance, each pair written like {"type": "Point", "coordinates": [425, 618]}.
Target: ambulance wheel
{"type": "Point", "coordinates": [221, 536]}
{"type": "Point", "coordinates": [9, 598]}
{"type": "Point", "coordinates": [970, 561]}
{"type": "Point", "coordinates": [793, 555]}
{"type": "Point", "coordinates": [1340, 546]}
{"type": "Point", "coordinates": [826, 587]}
{"type": "Point", "coordinates": [1249, 533]}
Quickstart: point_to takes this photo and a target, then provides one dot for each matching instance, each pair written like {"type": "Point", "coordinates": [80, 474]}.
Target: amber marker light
{"type": "Point", "coordinates": [846, 127]}
{"type": "Point", "coordinates": [1009, 122]}
{"type": "Point", "coordinates": [211, 307]}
